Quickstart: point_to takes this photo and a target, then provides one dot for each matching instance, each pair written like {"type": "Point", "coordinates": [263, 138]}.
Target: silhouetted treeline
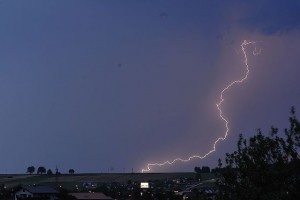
{"type": "Point", "coordinates": [204, 169]}
{"type": "Point", "coordinates": [263, 167]}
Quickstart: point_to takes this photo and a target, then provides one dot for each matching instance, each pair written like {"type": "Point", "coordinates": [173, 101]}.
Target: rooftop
{"type": "Point", "coordinates": [91, 195]}
{"type": "Point", "coordinates": [40, 189]}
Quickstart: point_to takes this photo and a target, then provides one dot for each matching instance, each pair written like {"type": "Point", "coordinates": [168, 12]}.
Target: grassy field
{"type": "Point", "coordinates": [70, 181]}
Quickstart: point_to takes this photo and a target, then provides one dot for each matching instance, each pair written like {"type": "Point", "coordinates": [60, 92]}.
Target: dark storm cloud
{"type": "Point", "coordinates": [272, 17]}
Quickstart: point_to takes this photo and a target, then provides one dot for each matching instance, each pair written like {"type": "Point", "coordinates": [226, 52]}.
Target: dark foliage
{"type": "Point", "coordinates": [41, 170]}
{"type": "Point", "coordinates": [264, 167]}
{"type": "Point", "coordinates": [204, 169]}
{"type": "Point", "coordinates": [30, 169]}
{"type": "Point", "coordinates": [49, 172]}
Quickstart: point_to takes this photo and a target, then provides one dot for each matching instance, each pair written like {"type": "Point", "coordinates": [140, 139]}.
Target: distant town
{"type": "Point", "coordinates": [47, 185]}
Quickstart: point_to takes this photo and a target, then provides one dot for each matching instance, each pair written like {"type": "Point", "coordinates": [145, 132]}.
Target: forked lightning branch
{"type": "Point", "coordinates": [221, 115]}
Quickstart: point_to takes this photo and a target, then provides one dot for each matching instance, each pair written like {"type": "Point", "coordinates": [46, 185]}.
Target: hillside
{"type": "Point", "coordinates": [71, 180]}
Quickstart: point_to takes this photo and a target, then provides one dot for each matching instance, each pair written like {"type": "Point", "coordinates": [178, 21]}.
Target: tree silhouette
{"type": "Point", "coordinates": [264, 167]}
{"type": "Point", "coordinates": [30, 169]}
{"type": "Point", "coordinates": [49, 172]}
{"type": "Point", "coordinates": [71, 171]}
{"type": "Point", "coordinates": [41, 170]}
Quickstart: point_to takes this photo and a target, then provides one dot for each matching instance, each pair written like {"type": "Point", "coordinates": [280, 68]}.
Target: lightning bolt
{"type": "Point", "coordinates": [219, 107]}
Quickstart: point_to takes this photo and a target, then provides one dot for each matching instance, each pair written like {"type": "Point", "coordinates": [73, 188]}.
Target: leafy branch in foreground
{"type": "Point", "coordinates": [264, 167]}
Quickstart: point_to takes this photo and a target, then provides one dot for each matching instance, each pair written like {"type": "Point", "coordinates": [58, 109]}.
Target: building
{"type": "Point", "coordinates": [90, 196]}
{"type": "Point", "coordinates": [36, 192]}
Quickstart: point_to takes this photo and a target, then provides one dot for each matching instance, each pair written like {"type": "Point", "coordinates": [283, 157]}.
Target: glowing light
{"type": "Point", "coordinates": [219, 104]}
{"type": "Point", "coordinates": [144, 185]}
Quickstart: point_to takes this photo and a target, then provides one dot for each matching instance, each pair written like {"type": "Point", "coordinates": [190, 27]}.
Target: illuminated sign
{"type": "Point", "coordinates": [144, 185]}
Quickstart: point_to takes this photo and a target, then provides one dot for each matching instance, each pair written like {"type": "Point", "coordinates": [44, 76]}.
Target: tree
{"type": "Point", "coordinates": [197, 170]}
{"type": "Point", "coordinates": [264, 167]}
{"type": "Point", "coordinates": [205, 169]}
{"type": "Point", "coordinates": [41, 170]}
{"type": "Point", "coordinates": [30, 169]}
{"type": "Point", "coordinates": [71, 171]}
{"type": "Point", "coordinates": [49, 172]}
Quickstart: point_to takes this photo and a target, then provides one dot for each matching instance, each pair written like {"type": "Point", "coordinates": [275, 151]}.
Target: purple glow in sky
{"type": "Point", "coordinates": [102, 86]}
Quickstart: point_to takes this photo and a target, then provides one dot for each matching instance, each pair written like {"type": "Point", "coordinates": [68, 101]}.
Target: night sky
{"type": "Point", "coordinates": [109, 86]}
